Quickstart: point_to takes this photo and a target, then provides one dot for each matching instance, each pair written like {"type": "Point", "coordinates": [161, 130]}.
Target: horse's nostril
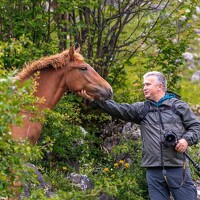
{"type": "Point", "coordinates": [110, 91]}
{"type": "Point", "coordinates": [105, 94]}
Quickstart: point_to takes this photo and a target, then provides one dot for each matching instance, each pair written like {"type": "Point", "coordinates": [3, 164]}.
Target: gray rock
{"type": "Point", "coordinates": [41, 184]}
{"type": "Point", "coordinates": [196, 76]}
{"type": "Point", "coordinates": [81, 181]}
{"type": "Point", "coordinates": [104, 196]}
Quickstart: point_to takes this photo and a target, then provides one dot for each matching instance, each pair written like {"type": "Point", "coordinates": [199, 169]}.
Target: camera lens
{"type": "Point", "coordinates": [170, 138]}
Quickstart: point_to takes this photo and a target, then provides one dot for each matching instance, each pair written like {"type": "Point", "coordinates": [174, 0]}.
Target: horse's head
{"type": "Point", "coordinates": [81, 76]}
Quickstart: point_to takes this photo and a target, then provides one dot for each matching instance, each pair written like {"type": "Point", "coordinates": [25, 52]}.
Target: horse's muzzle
{"type": "Point", "coordinates": [105, 94]}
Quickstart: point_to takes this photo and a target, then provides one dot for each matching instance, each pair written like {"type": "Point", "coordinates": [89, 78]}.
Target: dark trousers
{"type": "Point", "coordinates": [159, 189]}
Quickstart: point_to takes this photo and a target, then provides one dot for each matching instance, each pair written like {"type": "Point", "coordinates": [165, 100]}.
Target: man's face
{"type": "Point", "coordinates": [152, 88]}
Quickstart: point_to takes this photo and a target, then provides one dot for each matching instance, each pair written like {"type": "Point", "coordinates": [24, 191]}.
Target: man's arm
{"type": "Point", "coordinates": [124, 111]}
{"type": "Point", "coordinates": [192, 125]}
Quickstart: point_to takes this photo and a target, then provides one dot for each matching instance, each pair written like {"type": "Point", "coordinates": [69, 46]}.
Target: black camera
{"type": "Point", "coordinates": [170, 139]}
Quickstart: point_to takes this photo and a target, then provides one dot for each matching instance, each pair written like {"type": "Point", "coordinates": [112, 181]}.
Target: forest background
{"type": "Point", "coordinates": [122, 40]}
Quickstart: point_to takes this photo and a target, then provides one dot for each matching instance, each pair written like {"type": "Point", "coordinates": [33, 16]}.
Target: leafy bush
{"type": "Point", "coordinates": [13, 98]}
{"type": "Point", "coordinates": [15, 53]}
{"type": "Point", "coordinates": [70, 148]}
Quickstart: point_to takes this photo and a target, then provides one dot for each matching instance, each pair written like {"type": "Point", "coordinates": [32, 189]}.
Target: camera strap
{"type": "Point", "coordinates": [164, 172]}
{"type": "Point", "coordinates": [146, 109]}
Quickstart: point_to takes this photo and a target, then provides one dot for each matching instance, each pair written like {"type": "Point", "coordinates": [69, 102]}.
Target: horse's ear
{"type": "Point", "coordinates": [71, 52]}
{"type": "Point", "coordinates": [78, 49]}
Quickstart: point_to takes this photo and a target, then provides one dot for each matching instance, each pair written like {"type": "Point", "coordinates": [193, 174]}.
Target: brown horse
{"type": "Point", "coordinates": [59, 73]}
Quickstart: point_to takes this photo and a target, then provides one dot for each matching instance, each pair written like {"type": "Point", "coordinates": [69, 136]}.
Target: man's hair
{"type": "Point", "coordinates": [160, 78]}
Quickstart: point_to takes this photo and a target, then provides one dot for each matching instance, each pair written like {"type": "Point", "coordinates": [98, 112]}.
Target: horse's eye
{"type": "Point", "coordinates": [83, 68]}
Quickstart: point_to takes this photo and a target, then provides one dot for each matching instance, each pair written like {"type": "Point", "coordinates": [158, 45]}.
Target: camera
{"type": "Point", "coordinates": [169, 139]}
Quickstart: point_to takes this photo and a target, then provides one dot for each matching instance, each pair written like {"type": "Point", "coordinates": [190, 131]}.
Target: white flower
{"type": "Point", "coordinates": [188, 56]}
{"type": "Point", "coordinates": [83, 130]}
{"type": "Point", "coordinates": [198, 9]}
{"type": "Point", "coordinates": [195, 17]}
{"type": "Point", "coordinates": [183, 18]}
{"type": "Point", "coordinates": [177, 60]}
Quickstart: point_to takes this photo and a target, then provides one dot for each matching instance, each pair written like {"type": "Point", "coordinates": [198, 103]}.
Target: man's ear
{"type": "Point", "coordinates": [161, 87]}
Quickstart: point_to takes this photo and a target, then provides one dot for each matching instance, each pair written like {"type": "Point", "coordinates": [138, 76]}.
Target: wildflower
{"type": "Point", "coordinates": [64, 168]}
{"type": "Point", "coordinates": [187, 10]}
{"type": "Point", "coordinates": [121, 162]}
{"type": "Point", "coordinates": [113, 176]}
{"type": "Point", "coordinates": [183, 18]}
{"type": "Point", "coordinates": [126, 165]}
{"type": "Point", "coordinates": [106, 169]}
{"type": "Point", "coordinates": [116, 164]}
{"type": "Point", "coordinates": [198, 9]}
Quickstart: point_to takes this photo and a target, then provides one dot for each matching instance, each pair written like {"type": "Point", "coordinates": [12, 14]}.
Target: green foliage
{"type": "Point", "coordinates": [13, 156]}
{"type": "Point", "coordinates": [163, 49]}
{"type": "Point", "coordinates": [69, 141]}
{"type": "Point", "coordinates": [15, 53]}
{"type": "Point", "coordinates": [122, 179]}
{"type": "Point", "coordinates": [28, 17]}
{"type": "Point", "coordinates": [118, 179]}
{"type": "Point", "coordinates": [194, 154]}
{"type": "Point", "coordinates": [190, 94]}
{"type": "Point", "coordinates": [70, 148]}
{"type": "Point", "coordinates": [161, 39]}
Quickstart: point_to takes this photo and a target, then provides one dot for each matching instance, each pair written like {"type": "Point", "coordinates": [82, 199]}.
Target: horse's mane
{"type": "Point", "coordinates": [56, 61]}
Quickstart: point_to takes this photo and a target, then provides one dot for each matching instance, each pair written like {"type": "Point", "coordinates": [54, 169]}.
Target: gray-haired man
{"type": "Point", "coordinates": [160, 116]}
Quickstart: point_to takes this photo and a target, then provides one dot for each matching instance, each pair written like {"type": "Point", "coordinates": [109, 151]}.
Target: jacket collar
{"type": "Point", "coordinates": [167, 96]}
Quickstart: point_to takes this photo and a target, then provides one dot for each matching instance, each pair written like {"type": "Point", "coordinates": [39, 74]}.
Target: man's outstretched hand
{"type": "Point", "coordinates": [83, 94]}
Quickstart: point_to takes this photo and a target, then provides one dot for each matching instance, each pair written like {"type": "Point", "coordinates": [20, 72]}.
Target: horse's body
{"type": "Point", "coordinates": [63, 72]}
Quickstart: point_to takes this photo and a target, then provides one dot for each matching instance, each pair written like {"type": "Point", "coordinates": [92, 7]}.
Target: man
{"type": "Point", "coordinates": [162, 117]}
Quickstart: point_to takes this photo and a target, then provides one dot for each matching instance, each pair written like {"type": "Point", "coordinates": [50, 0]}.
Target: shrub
{"type": "Point", "coordinates": [13, 98]}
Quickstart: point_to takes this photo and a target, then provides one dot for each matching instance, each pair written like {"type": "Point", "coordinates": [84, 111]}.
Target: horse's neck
{"type": "Point", "coordinates": [51, 86]}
